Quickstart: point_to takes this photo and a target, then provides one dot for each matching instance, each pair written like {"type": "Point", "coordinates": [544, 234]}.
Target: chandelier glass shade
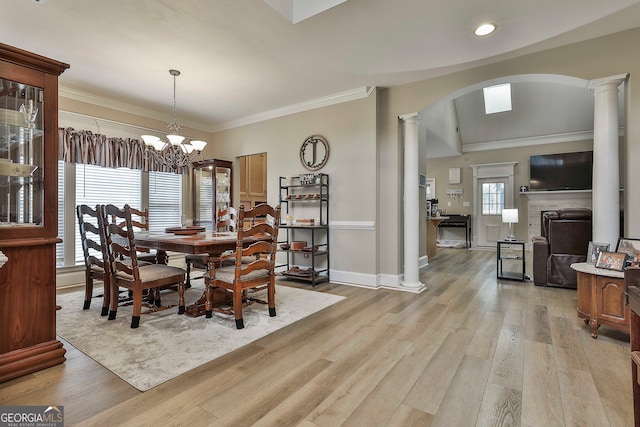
{"type": "Point", "coordinates": [174, 153]}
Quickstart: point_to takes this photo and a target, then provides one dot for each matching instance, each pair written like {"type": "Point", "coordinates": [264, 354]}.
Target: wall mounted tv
{"type": "Point", "coordinates": [566, 171]}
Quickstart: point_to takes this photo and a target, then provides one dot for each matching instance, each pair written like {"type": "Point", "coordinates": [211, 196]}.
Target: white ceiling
{"type": "Point", "coordinates": [240, 58]}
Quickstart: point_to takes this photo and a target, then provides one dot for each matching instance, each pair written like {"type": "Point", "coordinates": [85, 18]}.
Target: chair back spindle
{"type": "Point", "coordinates": [95, 255]}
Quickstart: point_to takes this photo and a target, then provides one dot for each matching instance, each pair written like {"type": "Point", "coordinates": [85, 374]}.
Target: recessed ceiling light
{"type": "Point", "coordinates": [485, 29]}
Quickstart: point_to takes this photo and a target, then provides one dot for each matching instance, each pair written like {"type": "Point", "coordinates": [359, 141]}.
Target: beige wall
{"type": "Point", "coordinates": [366, 148]}
{"type": "Point", "coordinates": [439, 169]}
{"type": "Point", "coordinates": [350, 129]}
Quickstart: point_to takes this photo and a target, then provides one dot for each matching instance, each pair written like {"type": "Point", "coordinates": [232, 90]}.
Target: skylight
{"type": "Point", "coordinates": [497, 98]}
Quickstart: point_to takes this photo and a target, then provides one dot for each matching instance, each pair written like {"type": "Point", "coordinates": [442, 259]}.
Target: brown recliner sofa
{"type": "Point", "coordinates": [567, 233]}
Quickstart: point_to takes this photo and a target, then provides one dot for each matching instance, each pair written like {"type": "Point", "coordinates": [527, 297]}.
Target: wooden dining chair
{"type": "Point", "coordinates": [257, 243]}
{"type": "Point", "coordinates": [121, 242]}
{"type": "Point", "coordinates": [141, 222]}
{"type": "Point", "coordinates": [96, 258]}
{"type": "Point", "coordinates": [225, 221]}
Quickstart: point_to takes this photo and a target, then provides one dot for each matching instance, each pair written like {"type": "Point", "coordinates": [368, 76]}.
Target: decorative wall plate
{"type": "Point", "coordinates": [314, 152]}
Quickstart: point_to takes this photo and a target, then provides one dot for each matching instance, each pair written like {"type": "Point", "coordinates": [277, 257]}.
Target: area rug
{"type": "Point", "coordinates": [147, 356]}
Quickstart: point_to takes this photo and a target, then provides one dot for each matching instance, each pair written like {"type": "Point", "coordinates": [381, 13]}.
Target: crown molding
{"type": "Point", "coordinates": [534, 140]}
{"type": "Point", "coordinates": [102, 101]}
{"type": "Point", "coordinates": [338, 98]}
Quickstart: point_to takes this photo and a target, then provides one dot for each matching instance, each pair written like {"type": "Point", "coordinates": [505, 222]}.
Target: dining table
{"type": "Point", "coordinates": [213, 244]}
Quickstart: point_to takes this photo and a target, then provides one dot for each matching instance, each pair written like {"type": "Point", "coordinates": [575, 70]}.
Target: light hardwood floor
{"type": "Point", "coordinates": [469, 351]}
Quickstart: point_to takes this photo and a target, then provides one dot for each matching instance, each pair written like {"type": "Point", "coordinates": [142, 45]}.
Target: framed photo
{"type": "Point", "coordinates": [629, 246]}
{"type": "Point", "coordinates": [594, 251]}
{"type": "Point", "coordinates": [454, 176]}
{"type": "Point", "coordinates": [611, 260]}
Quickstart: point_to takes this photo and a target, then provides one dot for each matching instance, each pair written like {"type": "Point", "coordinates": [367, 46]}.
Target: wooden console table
{"type": "Point", "coordinates": [601, 298]}
{"type": "Point", "coordinates": [459, 221]}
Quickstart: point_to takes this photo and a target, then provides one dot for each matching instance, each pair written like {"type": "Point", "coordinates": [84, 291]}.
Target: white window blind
{"type": "Point", "coordinates": [98, 185]}
{"type": "Point", "coordinates": [206, 199]}
{"type": "Point", "coordinates": [61, 213]}
{"type": "Point", "coordinates": [165, 201]}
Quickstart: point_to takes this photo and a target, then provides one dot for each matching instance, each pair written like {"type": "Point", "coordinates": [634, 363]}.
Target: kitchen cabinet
{"type": "Point", "coordinates": [253, 179]}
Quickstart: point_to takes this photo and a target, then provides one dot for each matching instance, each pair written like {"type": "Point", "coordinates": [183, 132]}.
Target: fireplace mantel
{"type": "Point", "coordinates": [555, 195]}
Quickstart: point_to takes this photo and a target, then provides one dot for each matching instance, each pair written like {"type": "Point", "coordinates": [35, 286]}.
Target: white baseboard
{"type": "Point", "coordinates": [354, 279]}
{"type": "Point", "coordinates": [73, 276]}
{"type": "Point", "coordinates": [370, 281]}
{"type": "Point", "coordinates": [423, 261]}
{"type": "Point", "coordinates": [69, 276]}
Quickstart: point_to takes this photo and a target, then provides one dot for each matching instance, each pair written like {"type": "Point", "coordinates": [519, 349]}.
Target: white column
{"type": "Point", "coordinates": [606, 162]}
{"type": "Point", "coordinates": [411, 206]}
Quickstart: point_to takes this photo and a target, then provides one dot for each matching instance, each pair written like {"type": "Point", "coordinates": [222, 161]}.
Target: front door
{"type": "Point", "coordinates": [491, 201]}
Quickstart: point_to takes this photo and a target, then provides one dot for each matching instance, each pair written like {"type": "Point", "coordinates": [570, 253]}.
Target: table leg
{"type": "Point", "coordinates": [161, 256]}
{"type": "Point", "coordinates": [220, 296]}
{"type": "Point", "coordinates": [594, 328]}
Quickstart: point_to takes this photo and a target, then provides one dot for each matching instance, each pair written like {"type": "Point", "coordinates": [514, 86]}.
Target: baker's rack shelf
{"type": "Point", "coordinates": [306, 194]}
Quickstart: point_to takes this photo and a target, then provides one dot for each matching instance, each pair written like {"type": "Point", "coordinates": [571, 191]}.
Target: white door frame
{"type": "Point", "coordinates": [491, 170]}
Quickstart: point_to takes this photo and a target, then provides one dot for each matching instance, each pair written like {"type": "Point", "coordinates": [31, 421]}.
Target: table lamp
{"type": "Point", "coordinates": [510, 216]}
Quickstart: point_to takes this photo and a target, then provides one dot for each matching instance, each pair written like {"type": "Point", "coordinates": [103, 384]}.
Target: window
{"type": "Point", "coordinates": [497, 98]}
{"type": "Point", "coordinates": [492, 198]}
{"type": "Point", "coordinates": [165, 201]}
{"type": "Point", "coordinates": [98, 185]}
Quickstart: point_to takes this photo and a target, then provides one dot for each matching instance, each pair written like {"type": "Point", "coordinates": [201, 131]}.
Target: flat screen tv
{"type": "Point", "coordinates": [566, 171]}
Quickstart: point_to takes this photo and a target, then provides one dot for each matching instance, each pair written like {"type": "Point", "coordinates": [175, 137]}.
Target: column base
{"type": "Point", "coordinates": [415, 287]}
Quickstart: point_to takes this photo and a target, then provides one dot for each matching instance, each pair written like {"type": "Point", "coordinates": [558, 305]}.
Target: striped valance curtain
{"type": "Point", "coordinates": [86, 147]}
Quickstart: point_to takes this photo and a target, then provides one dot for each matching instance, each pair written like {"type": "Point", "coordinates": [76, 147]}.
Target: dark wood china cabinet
{"type": "Point", "coordinates": [211, 188]}
{"type": "Point", "coordinates": [28, 212]}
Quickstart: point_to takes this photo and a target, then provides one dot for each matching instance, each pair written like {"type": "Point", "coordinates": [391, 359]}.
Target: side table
{"type": "Point", "coordinates": [512, 250]}
{"type": "Point", "coordinates": [601, 297]}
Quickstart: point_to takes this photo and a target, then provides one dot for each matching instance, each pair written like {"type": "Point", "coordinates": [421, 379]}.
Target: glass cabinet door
{"type": "Point", "coordinates": [223, 188]}
{"type": "Point", "coordinates": [211, 190]}
{"type": "Point", "coordinates": [203, 214]}
{"type": "Point", "coordinates": [21, 154]}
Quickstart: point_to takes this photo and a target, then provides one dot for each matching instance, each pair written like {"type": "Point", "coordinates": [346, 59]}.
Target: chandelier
{"type": "Point", "coordinates": [175, 153]}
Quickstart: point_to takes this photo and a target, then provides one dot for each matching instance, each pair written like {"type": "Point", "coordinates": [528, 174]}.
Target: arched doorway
{"type": "Point", "coordinates": [454, 146]}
